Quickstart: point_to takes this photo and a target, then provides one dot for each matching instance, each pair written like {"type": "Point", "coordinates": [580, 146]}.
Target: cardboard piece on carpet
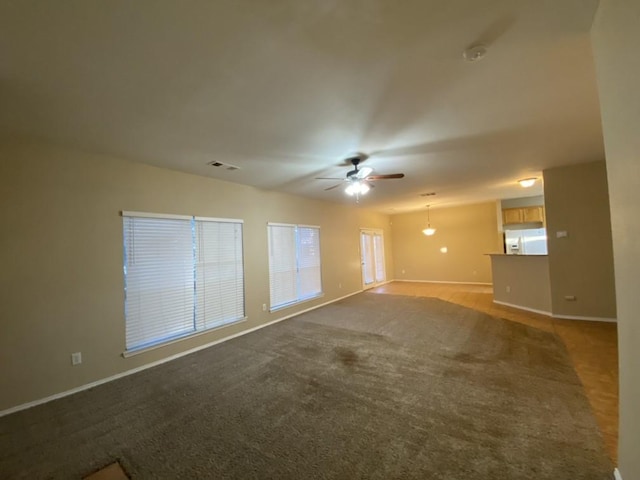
{"type": "Point", "coordinates": [110, 472]}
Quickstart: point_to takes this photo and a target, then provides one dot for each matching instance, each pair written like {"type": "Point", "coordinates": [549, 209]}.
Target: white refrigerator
{"type": "Point", "coordinates": [530, 241]}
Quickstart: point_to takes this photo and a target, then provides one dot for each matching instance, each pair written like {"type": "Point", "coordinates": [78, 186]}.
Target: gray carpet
{"type": "Point", "coordinates": [374, 386]}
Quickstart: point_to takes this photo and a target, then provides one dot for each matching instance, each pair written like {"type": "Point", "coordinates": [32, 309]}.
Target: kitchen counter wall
{"type": "Point", "coordinates": [522, 281]}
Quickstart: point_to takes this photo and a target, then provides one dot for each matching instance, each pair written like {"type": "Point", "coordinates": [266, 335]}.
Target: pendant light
{"type": "Point", "coordinates": [428, 231]}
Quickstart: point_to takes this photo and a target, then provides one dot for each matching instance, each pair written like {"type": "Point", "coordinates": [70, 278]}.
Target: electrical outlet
{"type": "Point", "coordinates": [403, 271]}
{"type": "Point", "coordinates": [570, 298]}
{"type": "Point", "coordinates": [76, 358]}
{"type": "Point", "coordinates": [339, 285]}
{"type": "Point", "coordinates": [508, 289]}
{"type": "Point", "coordinates": [264, 307]}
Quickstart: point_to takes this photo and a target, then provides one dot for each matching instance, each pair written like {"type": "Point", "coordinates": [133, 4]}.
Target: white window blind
{"type": "Point", "coordinates": [309, 275]}
{"type": "Point", "coordinates": [219, 273]}
{"type": "Point", "coordinates": [282, 265]}
{"type": "Point", "coordinates": [294, 264]}
{"type": "Point", "coordinates": [181, 275]}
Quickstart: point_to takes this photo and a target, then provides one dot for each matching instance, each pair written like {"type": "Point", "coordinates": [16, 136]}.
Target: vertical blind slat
{"type": "Point", "coordinates": [367, 258]}
{"type": "Point", "coordinates": [378, 252]}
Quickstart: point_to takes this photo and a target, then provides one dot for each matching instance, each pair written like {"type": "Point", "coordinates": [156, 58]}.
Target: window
{"type": "Point", "coordinates": [294, 264]}
{"type": "Point", "coordinates": [182, 275]}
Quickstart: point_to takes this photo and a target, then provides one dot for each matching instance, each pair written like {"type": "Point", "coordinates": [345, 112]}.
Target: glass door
{"type": "Point", "coordinates": [372, 257]}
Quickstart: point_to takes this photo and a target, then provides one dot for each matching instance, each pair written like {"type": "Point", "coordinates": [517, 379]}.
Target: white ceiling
{"type": "Point", "coordinates": [286, 89]}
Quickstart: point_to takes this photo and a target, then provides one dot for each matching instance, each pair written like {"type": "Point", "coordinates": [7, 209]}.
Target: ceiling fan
{"type": "Point", "coordinates": [359, 180]}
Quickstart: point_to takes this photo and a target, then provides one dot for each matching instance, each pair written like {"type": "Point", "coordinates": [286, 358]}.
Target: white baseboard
{"type": "Point", "coordinates": [553, 315]}
{"type": "Point", "coordinates": [442, 281]}
{"type": "Point", "coordinates": [376, 285]}
{"type": "Point", "coordinates": [520, 307]}
{"type": "Point", "coordinates": [616, 474]}
{"type": "Point", "coordinates": [87, 386]}
{"type": "Point", "coordinates": [589, 319]}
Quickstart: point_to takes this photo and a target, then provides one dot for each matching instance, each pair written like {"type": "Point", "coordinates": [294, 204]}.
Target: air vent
{"type": "Point", "coordinates": [226, 166]}
{"type": "Point", "coordinates": [428, 194]}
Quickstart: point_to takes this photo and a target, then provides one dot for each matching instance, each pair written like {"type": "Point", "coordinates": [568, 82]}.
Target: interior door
{"type": "Point", "coordinates": [372, 258]}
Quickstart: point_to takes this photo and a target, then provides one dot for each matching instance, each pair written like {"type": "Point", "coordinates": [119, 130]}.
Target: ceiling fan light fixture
{"type": "Point", "coordinates": [527, 182]}
{"type": "Point", "coordinates": [358, 179]}
{"type": "Point", "coordinates": [357, 188]}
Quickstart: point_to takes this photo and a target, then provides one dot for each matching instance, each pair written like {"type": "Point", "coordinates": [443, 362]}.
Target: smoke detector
{"type": "Point", "coordinates": [474, 53]}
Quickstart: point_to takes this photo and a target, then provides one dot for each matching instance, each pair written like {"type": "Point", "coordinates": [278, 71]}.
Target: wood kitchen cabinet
{"type": "Point", "coordinates": [512, 215]}
{"type": "Point", "coordinates": [533, 214]}
{"type": "Point", "coordinates": [522, 215]}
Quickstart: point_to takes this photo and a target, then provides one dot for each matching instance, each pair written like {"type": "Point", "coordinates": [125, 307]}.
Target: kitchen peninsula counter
{"type": "Point", "coordinates": [522, 281]}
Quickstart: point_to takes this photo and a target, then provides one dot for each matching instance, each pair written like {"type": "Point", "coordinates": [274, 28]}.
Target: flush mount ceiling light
{"type": "Point", "coordinates": [474, 53]}
{"type": "Point", "coordinates": [429, 230]}
{"type": "Point", "coordinates": [527, 182]}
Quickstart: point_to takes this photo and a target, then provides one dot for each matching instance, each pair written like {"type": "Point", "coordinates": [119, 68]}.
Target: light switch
{"type": "Point", "coordinates": [76, 358]}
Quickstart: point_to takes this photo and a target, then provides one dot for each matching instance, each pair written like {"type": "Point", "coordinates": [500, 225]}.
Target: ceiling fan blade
{"type": "Point", "coordinates": [383, 177]}
{"type": "Point", "coordinates": [359, 177]}
{"type": "Point", "coordinates": [364, 172]}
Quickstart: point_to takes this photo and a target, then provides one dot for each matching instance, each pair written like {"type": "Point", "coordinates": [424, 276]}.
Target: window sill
{"type": "Point", "coordinates": [293, 304]}
{"type": "Point", "coordinates": [138, 351]}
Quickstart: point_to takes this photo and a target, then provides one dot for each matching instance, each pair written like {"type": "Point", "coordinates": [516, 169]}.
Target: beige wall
{"type": "Point", "coordinates": [522, 280]}
{"type": "Point", "coordinates": [616, 36]}
{"type": "Point", "coordinates": [61, 285]}
{"type": "Point", "coordinates": [469, 232]}
{"type": "Point", "coordinates": [581, 264]}
{"type": "Point", "coordinates": [534, 201]}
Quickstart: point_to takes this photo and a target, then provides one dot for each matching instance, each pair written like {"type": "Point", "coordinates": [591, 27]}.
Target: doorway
{"type": "Point", "coordinates": [372, 257]}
